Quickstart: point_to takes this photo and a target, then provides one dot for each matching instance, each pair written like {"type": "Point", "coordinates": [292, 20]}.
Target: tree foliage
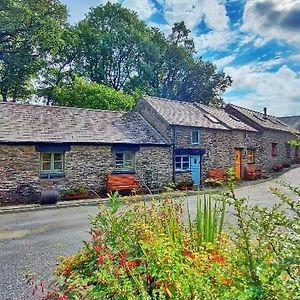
{"type": "Point", "coordinates": [81, 93]}
{"type": "Point", "coordinates": [29, 31]}
{"type": "Point", "coordinates": [111, 46]}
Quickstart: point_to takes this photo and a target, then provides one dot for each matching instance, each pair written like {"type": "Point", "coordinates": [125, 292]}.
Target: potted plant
{"type": "Point", "coordinates": [185, 185]}
{"type": "Point", "coordinates": [79, 192]}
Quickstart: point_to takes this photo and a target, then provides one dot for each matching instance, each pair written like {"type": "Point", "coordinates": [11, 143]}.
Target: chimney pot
{"type": "Point", "coordinates": [265, 112]}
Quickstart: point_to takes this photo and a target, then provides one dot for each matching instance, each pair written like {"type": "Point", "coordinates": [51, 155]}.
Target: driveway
{"type": "Point", "coordinates": [32, 241]}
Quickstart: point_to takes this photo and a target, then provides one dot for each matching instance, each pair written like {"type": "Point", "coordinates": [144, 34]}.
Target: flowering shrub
{"type": "Point", "coordinates": [152, 251]}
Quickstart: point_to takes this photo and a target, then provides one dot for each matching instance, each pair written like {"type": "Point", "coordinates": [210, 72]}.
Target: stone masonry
{"type": "Point", "coordinates": [84, 165]}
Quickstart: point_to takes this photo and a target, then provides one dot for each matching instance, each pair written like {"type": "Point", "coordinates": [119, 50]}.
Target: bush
{"type": "Point", "coordinates": [152, 251]}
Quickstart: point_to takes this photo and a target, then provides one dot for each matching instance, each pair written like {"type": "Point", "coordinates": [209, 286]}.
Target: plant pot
{"type": "Point", "coordinates": [75, 196]}
{"type": "Point", "coordinates": [49, 197]}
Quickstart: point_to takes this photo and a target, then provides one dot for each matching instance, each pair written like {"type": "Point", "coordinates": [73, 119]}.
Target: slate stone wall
{"type": "Point", "coordinates": [84, 165]}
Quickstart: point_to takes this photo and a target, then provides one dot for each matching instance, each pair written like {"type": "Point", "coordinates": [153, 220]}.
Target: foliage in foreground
{"type": "Point", "coordinates": [151, 251]}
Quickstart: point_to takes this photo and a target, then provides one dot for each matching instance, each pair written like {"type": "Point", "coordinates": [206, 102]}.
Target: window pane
{"type": "Point", "coordinates": [58, 156]}
{"type": "Point", "coordinates": [185, 166]}
{"type": "Point", "coordinates": [178, 166]}
{"type": "Point", "coordinates": [178, 159]}
{"type": "Point", "coordinates": [195, 136]}
{"type": "Point", "coordinates": [58, 166]}
{"type": "Point", "coordinates": [46, 166]}
{"type": "Point", "coordinates": [46, 156]}
{"type": "Point", "coordinates": [185, 159]}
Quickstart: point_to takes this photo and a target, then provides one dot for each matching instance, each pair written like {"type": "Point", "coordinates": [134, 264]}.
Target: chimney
{"type": "Point", "coordinates": [265, 112]}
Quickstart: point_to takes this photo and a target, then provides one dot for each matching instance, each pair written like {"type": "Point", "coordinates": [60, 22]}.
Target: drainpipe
{"type": "Point", "coordinates": [173, 146]}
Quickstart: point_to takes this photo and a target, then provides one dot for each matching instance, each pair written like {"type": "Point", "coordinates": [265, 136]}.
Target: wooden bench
{"type": "Point", "coordinates": [122, 182]}
{"type": "Point", "coordinates": [252, 172]}
{"type": "Point", "coordinates": [216, 176]}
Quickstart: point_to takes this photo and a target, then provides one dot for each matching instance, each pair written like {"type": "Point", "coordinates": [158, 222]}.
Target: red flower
{"type": "Point", "coordinates": [132, 264]}
{"type": "Point", "coordinates": [63, 297]}
{"type": "Point", "coordinates": [101, 259]}
{"type": "Point", "coordinates": [188, 253]}
{"type": "Point", "coordinates": [218, 259]}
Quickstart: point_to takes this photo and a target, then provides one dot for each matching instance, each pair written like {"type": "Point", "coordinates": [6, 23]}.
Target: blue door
{"type": "Point", "coordinates": [196, 168]}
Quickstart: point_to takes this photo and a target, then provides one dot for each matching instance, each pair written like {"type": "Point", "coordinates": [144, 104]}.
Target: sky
{"type": "Point", "coordinates": [256, 42]}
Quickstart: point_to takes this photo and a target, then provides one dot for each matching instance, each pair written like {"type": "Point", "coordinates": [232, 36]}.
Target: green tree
{"type": "Point", "coordinates": [82, 93]}
{"type": "Point", "coordinates": [59, 67]}
{"type": "Point", "coordinates": [30, 30]}
{"type": "Point", "coordinates": [111, 39]}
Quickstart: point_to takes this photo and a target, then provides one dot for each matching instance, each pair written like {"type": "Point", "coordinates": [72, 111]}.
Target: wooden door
{"type": "Point", "coordinates": [238, 163]}
{"type": "Point", "coordinates": [196, 169]}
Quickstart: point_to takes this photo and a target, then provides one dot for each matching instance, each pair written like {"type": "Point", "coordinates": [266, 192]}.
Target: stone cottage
{"type": "Point", "coordinates": [73, 146]}
{"type": "Point", "coordinates": [273, 148]}
{"type": "Point", "coordinates": [203, 137]}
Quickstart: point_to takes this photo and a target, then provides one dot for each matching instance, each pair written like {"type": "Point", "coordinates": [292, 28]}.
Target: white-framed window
{"type": "Point", "coordinates": [195, 137]}
{"type": "Point", "coordinates": [182, 162]}
{"type": "Point", "coordinates": [52, 162]}
{"type": "Point", "coordinates": [125, 160]}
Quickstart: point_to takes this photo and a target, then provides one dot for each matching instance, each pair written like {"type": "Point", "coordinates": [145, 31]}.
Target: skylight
{"type": "Point", "coordinates": [211, 118]}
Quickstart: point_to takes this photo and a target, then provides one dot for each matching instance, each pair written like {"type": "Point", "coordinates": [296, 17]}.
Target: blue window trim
{"type": "Point", "coordinates": [198, 136]}
{"type": "Point", "coordinates": [51, 175]}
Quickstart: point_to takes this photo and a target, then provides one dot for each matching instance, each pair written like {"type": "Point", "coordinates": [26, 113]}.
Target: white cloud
{"type": "Point", "coordinates": [222, 62]}
{"type": "Point", "coordinates": [272, 19]}
{"type": "Point", "coordinates": [278, 91]}
{"type": "Point", "coordinates": [144, 8]}
{"type": "Point", "coordinates": [193, 11]}
{"type": "Point", "coordinates": [215, 40]}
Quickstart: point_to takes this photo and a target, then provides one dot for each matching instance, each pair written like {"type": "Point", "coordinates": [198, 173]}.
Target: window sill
{"type": "Point", "coordinates": [183, 171]}
{"type": "Point", "coordinates": [124, 171]}
{"type": "Point", "coordinates": [52, 175]}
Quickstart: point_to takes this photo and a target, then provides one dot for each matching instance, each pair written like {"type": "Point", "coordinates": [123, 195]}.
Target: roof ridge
{"type": "Point", "coordinates": [62, 107]}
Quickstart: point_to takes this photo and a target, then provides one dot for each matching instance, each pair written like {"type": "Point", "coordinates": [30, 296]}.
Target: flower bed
{"type": "Point", "coordinates": [155, 252]}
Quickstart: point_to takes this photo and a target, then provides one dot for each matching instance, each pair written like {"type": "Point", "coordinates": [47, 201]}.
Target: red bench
{"type": "Point", "coordinates": [122, 182]}
{"type": "Point", "coordinates": [216, 176]}
{"type": "Point", "coordinates": [252, 172]}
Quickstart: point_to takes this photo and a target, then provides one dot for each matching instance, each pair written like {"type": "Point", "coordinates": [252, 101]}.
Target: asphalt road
{"type": "Point", "coordinates": [33, 241]}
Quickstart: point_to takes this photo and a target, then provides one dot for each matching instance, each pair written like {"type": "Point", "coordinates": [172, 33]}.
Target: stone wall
{"type": "Point", "coordinates": [84, 165]}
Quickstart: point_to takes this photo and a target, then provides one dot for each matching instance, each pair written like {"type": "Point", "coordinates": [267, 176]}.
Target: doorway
{"type": "Point", "coordinates": [196, 169]}
{"type": "Point", "coordinates": [238, 163]}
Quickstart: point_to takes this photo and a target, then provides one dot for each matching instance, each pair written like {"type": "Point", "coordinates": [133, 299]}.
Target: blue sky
{"type": "Point", "coordinates": [256, 42]}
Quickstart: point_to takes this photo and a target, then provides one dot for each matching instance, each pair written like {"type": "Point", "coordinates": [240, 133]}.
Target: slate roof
{"type": "Point", "coordinates": [226, 118]}
{"type": "Point", "coordinates": [270, 122]}
{"type": "Point", "coordinates": [49, 124]}
{"type": "Point", "coordinates": [182, 113]}
{"type": "Point", "coordinates": [293, 121]}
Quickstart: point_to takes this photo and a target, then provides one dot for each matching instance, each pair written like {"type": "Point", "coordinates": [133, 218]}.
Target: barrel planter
{"type": "Point", "coordinates": [49, 197]}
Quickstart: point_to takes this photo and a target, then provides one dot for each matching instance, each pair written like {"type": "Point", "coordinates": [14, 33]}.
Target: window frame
{"type": "Point", "coordinates": [124, 161]}
{"type": "Point", "coordinates": [197, 131]}
{"type": "Point", "coordinates": [250, 153]}
{"type": "Point", "coordinates": [52, 162]}
{"type": "Point", "coordinates": [182, 163]}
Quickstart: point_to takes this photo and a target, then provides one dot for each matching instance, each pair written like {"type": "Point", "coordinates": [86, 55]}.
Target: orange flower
{"type": "Point", "coordinates": [188, 253]}
{"type": "Point", "coordinates": [67, 271]}
{"type": "Point", "coordinates": [97, 248]}
{"type": "Point", "coordinates": [227, 281]}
